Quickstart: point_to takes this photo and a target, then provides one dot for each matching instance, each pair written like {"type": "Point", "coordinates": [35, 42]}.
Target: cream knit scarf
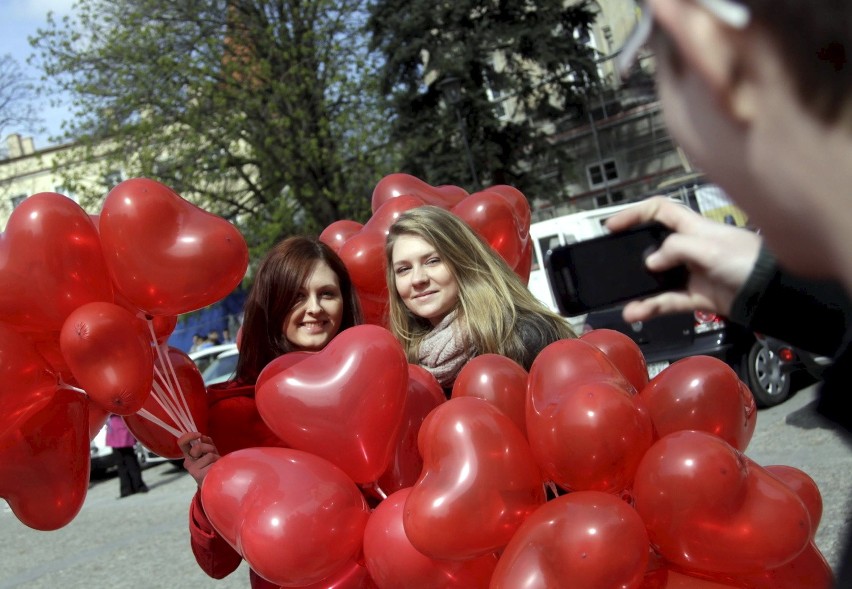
{"type": "Point", "coordinates": [443, 351]}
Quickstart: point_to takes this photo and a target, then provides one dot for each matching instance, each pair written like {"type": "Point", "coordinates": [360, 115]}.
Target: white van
{"type": "Point", "coordinates": [566, 229]}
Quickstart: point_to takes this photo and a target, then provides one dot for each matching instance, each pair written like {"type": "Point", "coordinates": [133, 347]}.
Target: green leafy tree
{"type": "Point", "coordinates": [522, 67]}
{"type": "Point", "coordinates": [261, 111]}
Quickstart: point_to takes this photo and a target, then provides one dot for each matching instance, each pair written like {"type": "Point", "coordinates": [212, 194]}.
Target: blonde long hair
{"type": "Point", "coordinates": [492, 298]}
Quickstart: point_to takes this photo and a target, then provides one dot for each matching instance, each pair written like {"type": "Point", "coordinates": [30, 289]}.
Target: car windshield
{"type": "Point", "coordinates": [220, 369]}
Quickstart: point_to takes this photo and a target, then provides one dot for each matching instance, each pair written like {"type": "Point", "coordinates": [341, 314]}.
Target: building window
{"type": "Point", "coordinates": [602, 173]}
{"type": "Point", "coordinates": [17, 199]}
{"type": "Point", "coordinates": [614, 198]}
{"type": "Point", "coordinates": [112, 178]}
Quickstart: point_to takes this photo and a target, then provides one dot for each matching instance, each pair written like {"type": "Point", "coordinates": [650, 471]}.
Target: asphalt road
{"type": "Point", "coordinates": [141, 542]}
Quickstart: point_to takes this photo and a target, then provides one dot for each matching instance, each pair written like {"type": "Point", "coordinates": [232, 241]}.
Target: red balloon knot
{"type": "Point", "coordinates": [82, 330]}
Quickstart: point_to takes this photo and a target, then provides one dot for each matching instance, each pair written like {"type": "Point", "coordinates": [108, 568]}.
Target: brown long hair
{"type": "Point", "coordinates": [280, 276]}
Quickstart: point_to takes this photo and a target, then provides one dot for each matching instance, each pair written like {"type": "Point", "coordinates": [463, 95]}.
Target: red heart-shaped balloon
{"type": "Point", "coordinates": [44, 438]}
{"type": "Point", "coordinates": [584, 428]}
{"type": "Point", "coordinates": [395, 185]}
{"type": "Point", "coordinates": [624, 353]}
{"type": "Point", "coordinates": [584, 539]}
{"type": "Point", "coordinates": [50, 263]}
{"type": "Point", "coordinates": [393, 562]}
{"type": "Point", "coordinates": [809, 569]}
{"type": "Point", "coordinates": [295, 517]}
{"type": "Point", "coordinates": [479, 482]}
{"type": "Point", "coordinates": [44, 459]}
{"type": "Point", "coordinates": [520, 205]}
{"type": "Point", "coordinates": [492, 217]}
{"type": "Point", "coordinates": [701, 393]}
{"type": "Point", "coordinates": [166, 255]}
{"type": "Point", "coordinates": [500, 381]}
{"type": "Point", "coordinates": [565, 363]}
{"type": "Point", "coordinates": [804, 486]}
{"type": "Point", "coordinates": [424, 394]}
{"type": "Point", "coordinates": [709, 509]}
{"type": "Point", "coordinates": [338, 232]}
{"type": "Point", "coordinates": [344, 403]}
{"type": "Point", "coordinates": [592, 438]}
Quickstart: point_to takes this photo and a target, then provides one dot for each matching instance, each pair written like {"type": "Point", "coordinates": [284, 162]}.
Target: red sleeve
{"type": "Point", "coordinates": [212, 552]}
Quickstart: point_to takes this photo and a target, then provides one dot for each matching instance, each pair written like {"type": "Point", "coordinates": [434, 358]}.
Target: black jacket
{"type": "Point", "coordinates": [813, 315]}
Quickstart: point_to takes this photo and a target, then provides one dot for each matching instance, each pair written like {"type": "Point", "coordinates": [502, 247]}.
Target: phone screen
{"type": "Point", "coordinates": [608, 270]}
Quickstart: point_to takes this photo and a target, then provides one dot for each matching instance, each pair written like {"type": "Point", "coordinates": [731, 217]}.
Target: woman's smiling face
{"type": "Point", "coordinates": [423, 279]}
{"type": "Point", "coordinates": [316, 316]}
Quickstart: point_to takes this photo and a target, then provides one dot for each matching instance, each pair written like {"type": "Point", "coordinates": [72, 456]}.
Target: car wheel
{"type": "Point", "coordinates": [764, 373]}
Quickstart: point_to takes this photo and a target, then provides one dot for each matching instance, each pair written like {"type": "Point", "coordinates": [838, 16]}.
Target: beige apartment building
{"type": "Point", "coordinates": [28, 170]}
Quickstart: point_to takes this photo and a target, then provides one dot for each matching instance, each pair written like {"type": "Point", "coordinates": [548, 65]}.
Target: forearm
{"type": "Point", "coordinates": [212, 552]}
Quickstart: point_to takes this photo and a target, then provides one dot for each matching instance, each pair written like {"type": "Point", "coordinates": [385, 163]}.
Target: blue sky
{"type": "Point", "coordinates": [18, 20]}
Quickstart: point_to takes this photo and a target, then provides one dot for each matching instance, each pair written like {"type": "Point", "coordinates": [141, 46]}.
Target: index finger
{"type": "Point", "coordinates": [657, 208]}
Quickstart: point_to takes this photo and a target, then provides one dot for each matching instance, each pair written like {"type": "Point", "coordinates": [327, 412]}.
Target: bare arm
{"type": "Point", "coordinates": [719, 258]}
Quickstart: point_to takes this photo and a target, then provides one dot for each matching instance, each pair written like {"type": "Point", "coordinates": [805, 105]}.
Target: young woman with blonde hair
{"type": "Point", "coordinates": [452, 297]}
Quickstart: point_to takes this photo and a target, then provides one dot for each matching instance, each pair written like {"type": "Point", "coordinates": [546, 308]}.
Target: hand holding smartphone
{"type": "Point", "coordinates": [605, 271]}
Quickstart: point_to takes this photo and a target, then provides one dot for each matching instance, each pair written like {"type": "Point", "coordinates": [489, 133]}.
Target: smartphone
{"type": "Point", "coordinates": [605, 271]}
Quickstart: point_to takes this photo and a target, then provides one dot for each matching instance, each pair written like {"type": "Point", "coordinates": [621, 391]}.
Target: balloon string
{"type": "Point", "coordinates": [65, 385]}
{"type": "Point", "coordinates": [162, 397]}
{"type": "Point", "coordinates": [166, 361]}
{"type": "Point", "coordinates": [163, 360]}
{"type": "Point", "coordinates": [378, 490]}
{"type": "Point", "coordinates": [166, 395]}
{"type": "Point", "coordinates": [150, 417]}
{"type": "Point", "coordinates": [163, 392]}
{"type": "Point", "coordinates": [180, 407]}
{"type": "Point", "coordinates": [553, 488]}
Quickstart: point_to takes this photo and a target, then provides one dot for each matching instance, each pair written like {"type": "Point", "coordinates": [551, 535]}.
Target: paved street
{"type": "Point", "coordinates": [141, 542]}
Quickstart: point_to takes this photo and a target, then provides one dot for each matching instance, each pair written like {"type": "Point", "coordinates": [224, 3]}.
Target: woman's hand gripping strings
{"type": "Point", "coordinates": [199, 454]}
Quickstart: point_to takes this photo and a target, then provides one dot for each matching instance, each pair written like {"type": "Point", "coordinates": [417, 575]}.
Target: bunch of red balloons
{"type": "Point", "coordinates": [581, 473]}
{"type": "Point", "coordinates": [87, 303]}
{"type": "Point", "coordinates": [500, 214]}
{"type": "Point", "coordinates": [387, 484]}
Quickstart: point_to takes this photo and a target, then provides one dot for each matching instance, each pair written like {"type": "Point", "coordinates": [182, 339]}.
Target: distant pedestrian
{"type": "Point", "coordinates": [226, 336]}
{"type": "Point", "coordinates": [122, 443]}
{"type": "Point", "coordinates": [213, 338]}
{"type": "Point", "coordinates": [198, 342]}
